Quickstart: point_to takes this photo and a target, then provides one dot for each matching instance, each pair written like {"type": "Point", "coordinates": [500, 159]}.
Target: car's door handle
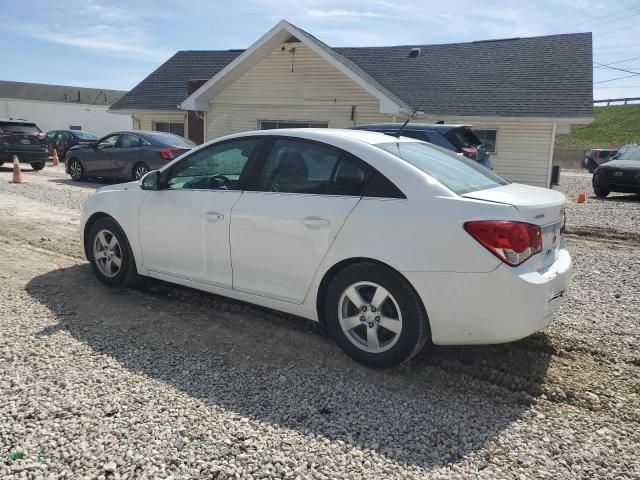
{"type": "Point", "coordinates": [315, 222]}
{"type": "Point", "coordinates": [214, 216]}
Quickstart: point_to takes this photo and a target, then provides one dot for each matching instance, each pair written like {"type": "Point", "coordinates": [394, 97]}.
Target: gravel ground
{"type": "Point", "coordinates": [616, 215]}
{"type": "Point", "coordinates": [166, 382]}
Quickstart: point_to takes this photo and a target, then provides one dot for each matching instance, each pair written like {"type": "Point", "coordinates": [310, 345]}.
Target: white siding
{"type": "Point", "coordinates": [60, 116]}
{"type": "Point", "coordinates": [313, 91]}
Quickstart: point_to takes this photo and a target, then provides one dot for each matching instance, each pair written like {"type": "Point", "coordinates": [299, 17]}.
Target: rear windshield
{"type": "Point", "coordinates": [83, 135]}
{"type": "Point", "coordinates": [173, 140]}
{"type": "Point", "coordinates": [463, 137]}
{"type": "Point", "coordinates": [456, 172]}
{"type": "Point", "coordinates": [20, 128]}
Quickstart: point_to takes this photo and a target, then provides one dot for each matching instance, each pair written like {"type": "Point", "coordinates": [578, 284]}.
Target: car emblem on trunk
{"type": "Point", "coordinates": [619, 174]}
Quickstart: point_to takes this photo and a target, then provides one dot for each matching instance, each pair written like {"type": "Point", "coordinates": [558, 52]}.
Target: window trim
{"type": "Point", "coordinates": [169, 122]}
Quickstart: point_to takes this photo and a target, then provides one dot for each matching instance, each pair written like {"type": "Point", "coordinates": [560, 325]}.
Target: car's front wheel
{"type": "Point", "coordinates": [76, 170]}
{"type": "Point", "coordinates": [599, 190]}
{"type": "Point", "coordinates": [375, 315]}
{"type": "Point", "coordinates": [110, 254]}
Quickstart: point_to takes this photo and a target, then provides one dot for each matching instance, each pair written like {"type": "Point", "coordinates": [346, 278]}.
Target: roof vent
{"type": "Point", "coordinates": [414, 52]}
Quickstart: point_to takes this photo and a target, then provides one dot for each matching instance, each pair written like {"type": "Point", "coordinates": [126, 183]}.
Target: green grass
{"type": "Point", "coordinates": [612, 126]}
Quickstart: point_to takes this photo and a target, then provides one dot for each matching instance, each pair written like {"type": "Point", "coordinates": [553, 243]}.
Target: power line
{"type": "Point", "coordinates": [617, 78]}
{"type": "Point", "coordinates": [600, 18]}
{"type": "Point", "coordinates": [619, 29]}
{"type": "Point", "coordinates": [615, 68]}
{"type": "Point", "coordinates": [614, 63]}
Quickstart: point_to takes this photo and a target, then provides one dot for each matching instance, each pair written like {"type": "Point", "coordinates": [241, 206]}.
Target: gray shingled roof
{"type": "Point", "coordinates": [548, 76]}
{"type": "Point", "coordinates": [166, 87]}
{"type": "Point", "coordinates": [58, 93]}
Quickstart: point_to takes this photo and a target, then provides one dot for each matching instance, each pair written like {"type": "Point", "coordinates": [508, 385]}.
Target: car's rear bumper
{"type": "Point", "coordinates": [24, 156]}
{"type": "Point", "coordinates": [500, 306]}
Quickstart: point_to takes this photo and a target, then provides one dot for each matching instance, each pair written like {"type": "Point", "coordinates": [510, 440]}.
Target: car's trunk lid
{"type": "Point", "coordinates": [539, 206]}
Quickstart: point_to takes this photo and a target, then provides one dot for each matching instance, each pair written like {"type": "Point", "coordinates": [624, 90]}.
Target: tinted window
{"type": "Point", "coordinates": [488, 139]}
{"type": "Point", "coordinates": [454, 171]}
{"type": "Point", "coordinates": [295, 166]}
{"type": "Point", "coordinates": [438, 139]}
{"type": "Point", "coordinates": [173, 140]}
{"type": "Point", "coordinates": [20, 129]}
{"type": "Point", "coordinates": [462, 137]}
{"type": "Point", "coordinates": [129, 141]}
{"type": "Point", "coordinates": [108, 142]}
{"type": "Point", "coordinates": [216, 167]}
{"type": "Point", "coordinates": [414, 134]}
{"type": "Point", "coordinates": [84, 135]}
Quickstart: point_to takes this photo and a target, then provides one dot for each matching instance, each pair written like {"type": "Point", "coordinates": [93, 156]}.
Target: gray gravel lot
{"type": "Point", "coordinates": [615, 214]}
{"type": "Point", "coordinates": [165, 382]}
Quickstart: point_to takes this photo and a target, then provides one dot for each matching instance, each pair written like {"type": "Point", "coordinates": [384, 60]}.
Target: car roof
{"type": "Point", "coordinates": [325, 134]}
{"type": "Point", "coordinates": [16, 120]}
{"type": "Point", "coordinates": [437, 127]}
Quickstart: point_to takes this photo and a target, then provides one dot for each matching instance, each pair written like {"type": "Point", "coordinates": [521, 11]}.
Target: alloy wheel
{"type": "Point", "coordinates": [75, 169]}
{"type": "Point", "coordinates": [369, 317]}
{"type": "Point", "coordinates": [140, 171]}
{"type": "Point", "coordinates": [107, 253]}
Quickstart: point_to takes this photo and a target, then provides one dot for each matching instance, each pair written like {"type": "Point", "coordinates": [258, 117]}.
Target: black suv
{"type": "Point", "coordinates": [24, 139]}
{"type": "Point", "coordinates": [457, 138]}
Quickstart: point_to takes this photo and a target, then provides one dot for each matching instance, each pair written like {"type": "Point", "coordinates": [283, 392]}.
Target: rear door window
{"type": "Point", "coordinates": [295, 166]}
{"type": "Point", "coordinates": [459, 174]}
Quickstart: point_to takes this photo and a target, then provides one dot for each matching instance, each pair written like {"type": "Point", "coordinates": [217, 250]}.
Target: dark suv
{"type": "Point", "coordinates": [24, 139]}
{"type": "Point", "coordinates": [457, 138]}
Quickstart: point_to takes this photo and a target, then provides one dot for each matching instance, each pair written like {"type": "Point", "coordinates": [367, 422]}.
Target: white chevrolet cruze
{"type": "Point", "coordinates": [390, 242]}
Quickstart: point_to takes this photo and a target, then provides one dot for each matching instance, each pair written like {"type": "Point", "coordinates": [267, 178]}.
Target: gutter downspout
{"type": "Point", "coordinates": [551, 149]}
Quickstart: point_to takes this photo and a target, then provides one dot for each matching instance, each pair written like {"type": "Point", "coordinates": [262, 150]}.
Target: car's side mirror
{"type": "Point", "coordinates": [151, 181]}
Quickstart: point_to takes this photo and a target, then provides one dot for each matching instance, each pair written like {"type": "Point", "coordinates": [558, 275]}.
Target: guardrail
{"type": "Point", "coordinates": [625, 100]}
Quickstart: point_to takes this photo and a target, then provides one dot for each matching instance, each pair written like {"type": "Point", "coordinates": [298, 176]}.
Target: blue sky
{"type": "Point", "coordinates": [116, 43]}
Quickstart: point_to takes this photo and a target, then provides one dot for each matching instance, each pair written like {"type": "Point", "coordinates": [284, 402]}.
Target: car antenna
{"type": "Point", "coordinates": [399, 132]}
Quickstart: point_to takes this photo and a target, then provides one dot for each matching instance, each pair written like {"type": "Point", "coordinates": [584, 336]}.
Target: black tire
{"type": "Point", "coordinates": [76, 170]}
{"type": "Point", "coordinates": [127, 274]}
{"type": "Point", "coordinates": [38, 165]}
{"type": "Point", "coordinates": [137, 169]}
{"type": "Point", "coordinates": [599, 191]}
{"type": "Point", "coordinates": [415, 331]}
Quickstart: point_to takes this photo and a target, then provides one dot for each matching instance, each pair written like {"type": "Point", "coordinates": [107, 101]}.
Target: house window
{"type": "Point", "coordinates": [271, 124]}
{"type": "Point", "coordinates": [489, 138]}
{"type": "Point", "coordinates": [177, 128]}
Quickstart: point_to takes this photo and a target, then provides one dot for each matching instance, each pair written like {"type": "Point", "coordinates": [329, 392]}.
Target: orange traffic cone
{"type": "Point", "coordinates": [582, 196]}
{"type": "Point", "coordinates": [17, 174]}
{"type": "Point", "coordinates": [56, 161]}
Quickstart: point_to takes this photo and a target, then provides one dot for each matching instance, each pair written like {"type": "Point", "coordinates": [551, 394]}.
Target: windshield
{"type": "Point", "coordinates": [173, 140]}
{"type": "Point", "coordinates": [84, 135]}
{"type": "Point", "coordinates": [456, 172]}
{"type": "Point", "coordinates": [632, 153]}
{"type": "Point", "coordinates": [463, 137]}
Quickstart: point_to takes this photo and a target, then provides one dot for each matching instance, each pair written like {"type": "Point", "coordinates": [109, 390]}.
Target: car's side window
{"type": "Point", "coordinates": [295, 166]}
{"type": "Point", "coordinates": [108, 142]}
{"type": "Point", "coordinates": [217, 167]}
{"type": "Point", "coordinates": [129, 141]}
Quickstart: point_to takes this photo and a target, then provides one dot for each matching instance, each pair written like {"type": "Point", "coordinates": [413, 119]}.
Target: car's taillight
{"type": "Point", "coordinates": [470, 152]}
{"type": "Point", "coordinates": [169, 153]}
{"type": "Point", "coordinates": [512, 242]}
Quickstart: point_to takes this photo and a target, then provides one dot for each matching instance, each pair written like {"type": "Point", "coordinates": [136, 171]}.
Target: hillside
{"type": "Point", "coordinates": [612, 126]}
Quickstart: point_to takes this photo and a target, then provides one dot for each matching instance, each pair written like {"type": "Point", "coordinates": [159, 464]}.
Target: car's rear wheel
{"type": "Point", "coordinates": [37, 165]}
{"type": "Point", "coordinates": [110, 254]}
{"type": "Point", "coordinates": [139, 170]}
{"type": "Point", "coordinates": [76, 170]}
{"type": "Point", "coordinates": [375, 315]}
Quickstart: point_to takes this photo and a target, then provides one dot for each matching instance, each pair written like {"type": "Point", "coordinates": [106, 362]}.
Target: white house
{"type": "Point", "coordinates": [516, 93]}
{"type": "Point", "coordinates": [58, 107]}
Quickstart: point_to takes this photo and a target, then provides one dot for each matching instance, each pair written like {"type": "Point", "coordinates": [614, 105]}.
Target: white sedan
{"type": "Point", "coordinates": [391, 243]}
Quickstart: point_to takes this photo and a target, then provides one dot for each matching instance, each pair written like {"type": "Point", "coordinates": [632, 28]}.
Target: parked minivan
{"type": "Point", "coordinates": [24, 139]}
{"type": "Point", "coordinates": [457, 138]}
